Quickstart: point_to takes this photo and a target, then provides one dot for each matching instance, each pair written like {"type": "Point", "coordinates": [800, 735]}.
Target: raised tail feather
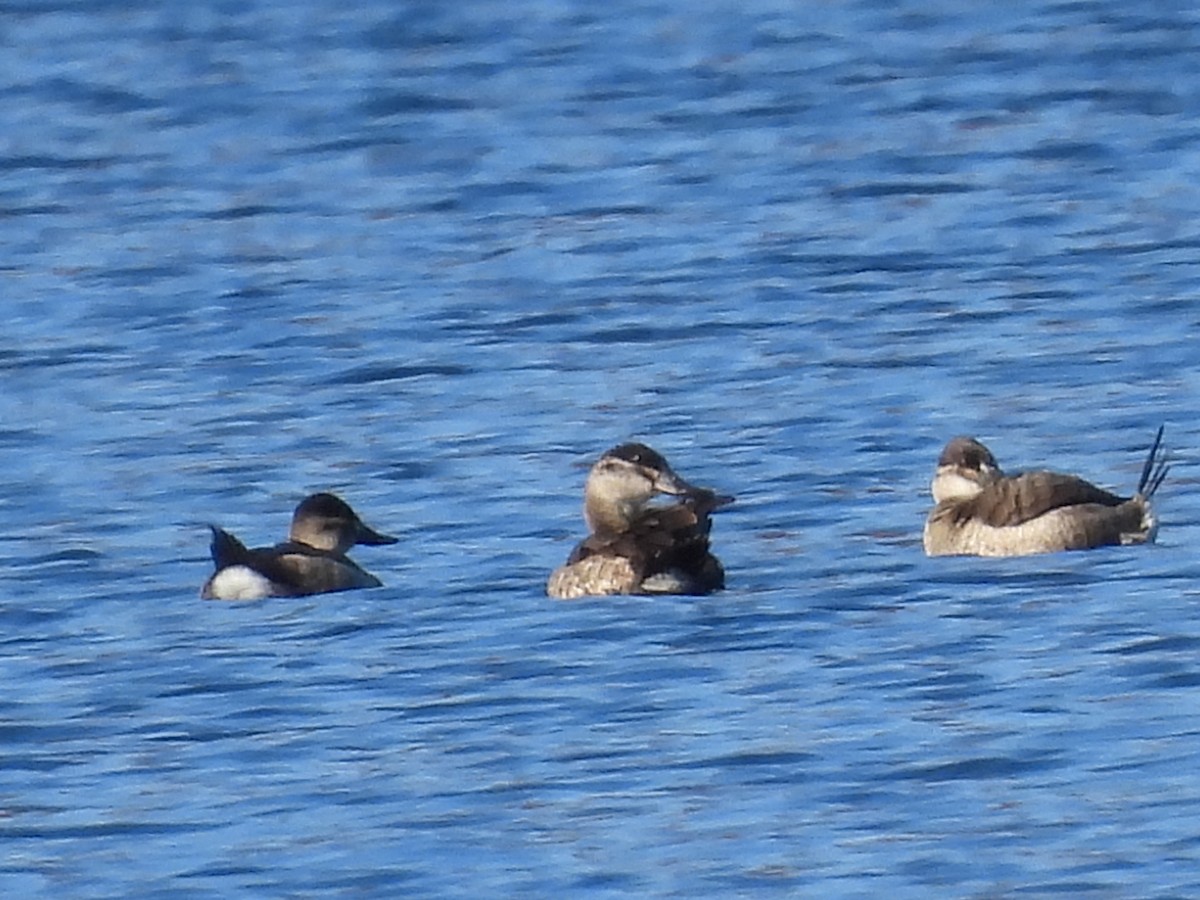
{"type": "Point", "coordinates": [1155, 469]}
{"type": "Point", "coordinates": [226, 549]}
{"type": "Point", "coordinates": [705, 502]}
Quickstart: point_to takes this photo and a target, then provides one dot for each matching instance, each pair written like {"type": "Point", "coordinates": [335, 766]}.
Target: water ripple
{"type": "Point", "coordinates": [436, 258]}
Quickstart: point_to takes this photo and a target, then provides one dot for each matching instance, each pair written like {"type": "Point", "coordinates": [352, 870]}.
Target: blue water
{"type": "Point", "coordinates": [438, 256]}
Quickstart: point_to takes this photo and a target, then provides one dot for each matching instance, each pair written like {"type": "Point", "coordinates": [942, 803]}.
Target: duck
{"type": "Point", "coordinates": [635, 546]}
{"type": "Point", "coordinates": [980, 511]}
{"type": "Point", "coordinates": [312, 561]}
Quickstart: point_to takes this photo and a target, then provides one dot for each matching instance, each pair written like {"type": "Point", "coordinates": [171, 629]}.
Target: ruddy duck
{"type": "Point", "coordinates": [312, 561]}
{"type": "Point", "coordinates": [981, 511]}
{"type": "Point", "coordinates": [635, 547]}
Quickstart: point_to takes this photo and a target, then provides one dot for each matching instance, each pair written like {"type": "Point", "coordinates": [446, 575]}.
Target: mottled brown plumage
{"type": "Point", "coordinates": [637, 548]}
{"type": "Point", "coordinates": [1020, 498]}
{"type": "Point", "coordinates": [980, 511]}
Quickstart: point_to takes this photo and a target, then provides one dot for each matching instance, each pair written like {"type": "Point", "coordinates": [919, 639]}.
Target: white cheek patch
{"type": "Point", "coordinates": [952, 486]}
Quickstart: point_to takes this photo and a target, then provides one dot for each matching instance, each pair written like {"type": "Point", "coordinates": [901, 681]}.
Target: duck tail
{"type": "Point", "coordinates": [1155, 469]}
{"type": "Point", "coordinates": [705, 502]}
{"type": "Point", "coordinates": [226, 549]}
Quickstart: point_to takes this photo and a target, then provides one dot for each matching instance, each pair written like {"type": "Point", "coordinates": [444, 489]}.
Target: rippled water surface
{"type": "Point", "coordinates": [438, 256]}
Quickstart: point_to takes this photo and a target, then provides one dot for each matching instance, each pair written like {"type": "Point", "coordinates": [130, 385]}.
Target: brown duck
{"type": "Point", "coordinates": [312, 561]}
{"type": "Point", "coordinates": [981, 511]}
{"type": "Point", "coordinates": [634, 546]}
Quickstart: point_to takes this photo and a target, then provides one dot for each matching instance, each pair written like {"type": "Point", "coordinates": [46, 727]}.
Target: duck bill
{"type": "Point", "coordinates": [372, 538]}
{"type": "Point", "coordinates": [669, 483]}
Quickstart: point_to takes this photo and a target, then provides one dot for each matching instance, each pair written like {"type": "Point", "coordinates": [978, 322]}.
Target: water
{"type": "Point", "coordinates": [436, 258]}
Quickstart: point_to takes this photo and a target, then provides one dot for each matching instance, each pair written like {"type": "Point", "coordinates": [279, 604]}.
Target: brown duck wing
{"type": "Point", "coordinates": [1020, 498]}
{"type": "Point", "coordinates": [308, 570]}
{"type": "Point", "coordinates": [675, 539]}
{"type": "Point", "coordinates": [283, 564]}
{"type": "Point", "coordinates": [293, 568]}
{"type": "Point", "coordinates": [653, 539]}
{"type": "Point", "coordinates": [671, 539]}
